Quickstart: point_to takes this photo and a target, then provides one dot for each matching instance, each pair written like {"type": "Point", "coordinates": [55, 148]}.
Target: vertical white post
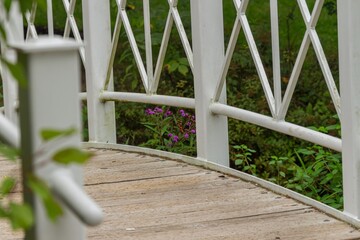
{"type": "Point", "coordinates": [15, 33]}
{"type": "Point", "coordinates": [49, 100]}
{"type": "Point", "coordinates": [97, 38]}
{"type": "Point", "coordinates": [275, 43]}
{"type": "Point", "coordinates": [349, 62]}
{"type": "Point", "coordinates": [208, 51]}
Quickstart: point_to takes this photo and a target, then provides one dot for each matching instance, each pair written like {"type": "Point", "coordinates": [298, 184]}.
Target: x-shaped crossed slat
{"type": "Point", "coordinates": [122, 19]}
{"type": "Point", "coordinates": [150, 80]}
{"type": "Point", "coordinates": [242, 22]}
{"type": "Point", "coordinates": [30, 19]}
{"type": "Point", "coordinates": [72, 26]}
{"type": "Point", "coordinates": [311, 36]}
{"type": "Point", "coordinates": [173, 16]}
{"type": "Point", "coordinates": [69, 26]}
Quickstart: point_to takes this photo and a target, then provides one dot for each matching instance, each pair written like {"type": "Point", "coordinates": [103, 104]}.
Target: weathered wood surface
{"type": "Point", "coordinates": [146, 197]}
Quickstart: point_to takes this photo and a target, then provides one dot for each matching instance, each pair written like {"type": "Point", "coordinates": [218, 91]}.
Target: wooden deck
{"type": "Point", "coordinates": [146, 197]}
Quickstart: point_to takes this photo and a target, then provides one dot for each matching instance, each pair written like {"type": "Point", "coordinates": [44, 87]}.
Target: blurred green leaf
{"type": "Point", "coordinates": [39, 187]}
{"type": "Point", "coordinates": [183, 70]}
{"type": "Point", "coordinates": [17, 71]}
{"type": "Point", "coordinates": [20, 215]}
{"type": "Point", "coordinates": [7, 184]}
{"type": "Point", "coordinates": [71, 155]}
{"type": "Point", "coordinates": [3, 212]}
{"type": "Point", "coordinates": [48, 134]}
{"type": "Point", "coordinates": [9, 153]}
{"type": "Point", "coordinates": [173, 65]}
{"type": "Point", "coordinates": [183, 61]}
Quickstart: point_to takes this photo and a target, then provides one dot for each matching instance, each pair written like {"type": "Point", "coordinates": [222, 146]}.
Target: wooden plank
{"type": "Point", "coordinates": [301, 224]}
{"type": "Point", "coordinates": [147, 197]}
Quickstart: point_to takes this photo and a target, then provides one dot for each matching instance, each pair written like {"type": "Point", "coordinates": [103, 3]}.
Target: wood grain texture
{"type": "Point", "coordinates": [147, 197]}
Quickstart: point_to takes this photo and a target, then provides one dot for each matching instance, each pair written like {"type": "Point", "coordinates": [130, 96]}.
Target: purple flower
{"type": "Point", "coordinates": [149, 111]}
{"type": "Point", "coordinates": [167, 113]}
{"type": "Point", "coordinates": [170, 135]}
{"type": "Point", "coordinates": [175, 139]}
{"type": "Point", "coordinates": [182, 112]}
{"type": "Point", "coordinates": [193, 131]}
{"type": "Point", "coordinates": [158, 110]}
{"type": "Point", "coordinates": [188, 124]}
{"type": "Point", "coordinates": [186, 135]}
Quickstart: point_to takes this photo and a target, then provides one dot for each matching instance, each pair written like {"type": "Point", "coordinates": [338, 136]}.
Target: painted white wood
{"type": "Point", "coordinates": [97, 35]}
{"type": "Point", "coordinates": [208, 48]}
{"type": "Point", "coordinates": [9, 132]}
{"type": "Point", "coordinates": [349, 62]}
{"type": "Point", "coordinates": [146, 98]}
{"type": "Point", "coordinates": [50, 18]}
{"type": "Point", "coordinates": [277, 125]}
{"type": "Point", "coordinates": [173, 16]}
{"type": "Point", "coordinates": [14, 31]}
{"type": "Point", "coordinates": [242, 22]}
{"type": "Point", "coordinates": [275, 46]}
{"type": "Point", "coordinates": [50, 101]}
{"type": "Point", "coordinates": [71, 25]}
{"type": "Point", "coordinates": [148, 44]}
{"type": "Point", "coordinates": [162, 52]}
{"type": "Point", "coordinates": [30, 19]}
{"type": "Point", "coordinates": [310, 36]}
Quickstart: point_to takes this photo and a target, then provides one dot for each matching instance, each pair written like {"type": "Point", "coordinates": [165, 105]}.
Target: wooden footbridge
{"type": "Point", "coordinates": [154, 197]}
{"type": "Point", "coordinates": [135, 193]}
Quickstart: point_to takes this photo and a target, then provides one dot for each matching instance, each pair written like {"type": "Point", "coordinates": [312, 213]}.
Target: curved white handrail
{"type": "Point", "coordinates": [9, 132]}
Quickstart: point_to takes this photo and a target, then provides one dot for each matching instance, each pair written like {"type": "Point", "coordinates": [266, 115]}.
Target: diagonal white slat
{"type": "Point", "coordinates": [173, 16]}
{"type": "Point", "coordinates": [183, 37]}
{"type": "Point", "coordinates": [150, 78]}
{"type": "Point", "coordinates": [30, 19]}
{"type": "Point", "coordinates": [71, 26]}
{"type": "Point", "coordinates": [148, 44]}
{"type": "Point", "coordinates": [162, 52]}
{"type": "Point", "coordinates": [241, 17]}
{"type": "Point", "coordinates": [229, 51]}
{"type": "Point", "coordinates": [122, 19]}
{"type": "Point", "coordinates": [275, 46]}
{"type": "Point", "coordinates": [310, 36]}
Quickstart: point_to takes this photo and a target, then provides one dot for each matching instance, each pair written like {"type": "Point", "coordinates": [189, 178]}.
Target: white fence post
{"type": "Point", "coordinates": [97, 38]}
{"type": "Point", "coordinates": [349, 63]}
{"type": "Point", "coordinates": [15, 33]}
{"type": "Point", "coordinates": [208, 49]}
{"type": "Point", "coordinates": [50, 101]}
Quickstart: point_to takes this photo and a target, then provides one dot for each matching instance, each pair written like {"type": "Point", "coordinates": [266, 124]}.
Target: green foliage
{"type": "Point", "coordinates": [20, 215]}
{"type": "Point", "coordinates": [8, 152]}
{"type": "Point", "coordinates": [313, 171]}
{"type": "Point", "coordinates": [49, 134]}
{"type": "Point", "coordinates": [6, 186]}
{"type": "Point", "coordinates": [17, 71]}
{"type": "Point", "coordinates": [319, 175]}
{"type": "Point", "coordinates": [243, 158]}
{"type": "Point", "coordinates": [174, 132]}
{"type": "Point", "coordinates": [42, 190]}
{"type": "Point", "coordinates": [71, 155]}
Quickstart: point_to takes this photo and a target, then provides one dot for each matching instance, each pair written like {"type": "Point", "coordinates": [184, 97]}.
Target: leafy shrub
{"type": "Point", "coordinates": [174, 132]}
{"type": "Point", "coordinates": [314, 171]}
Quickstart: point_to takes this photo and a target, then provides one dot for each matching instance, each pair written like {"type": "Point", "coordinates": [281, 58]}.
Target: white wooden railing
{"type": "Point", "coordinates": [209, 62]}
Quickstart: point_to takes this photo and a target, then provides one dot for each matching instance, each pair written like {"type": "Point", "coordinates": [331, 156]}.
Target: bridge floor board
{"type": "Point", "coordinates": [146, 197]}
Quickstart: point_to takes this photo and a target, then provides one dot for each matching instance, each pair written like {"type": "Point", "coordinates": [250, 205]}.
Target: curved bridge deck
{"type": "Point", "coordinates": [147, 197]}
